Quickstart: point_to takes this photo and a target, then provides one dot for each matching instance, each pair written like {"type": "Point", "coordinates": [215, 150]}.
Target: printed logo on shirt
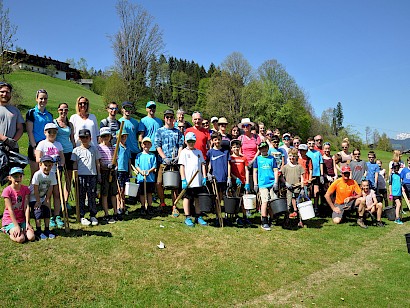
{"type": "Point", "coordinates": [216, 157]}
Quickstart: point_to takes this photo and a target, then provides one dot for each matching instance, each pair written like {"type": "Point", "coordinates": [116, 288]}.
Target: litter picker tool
{"type": "Point", "coordinates": [77, 195]}
{"type": "Point", "coordinates": [63, 205]}
{"type": "Point", "coordinates": [405, 197]}
{"type": "Point", "coordinates": [184, 190]}
{"type": "Point", "coordinates": [145, 191]}
{"type": "Point", "coordinates": [117, 146]}
{"type": "Point", "coordinates": [218, 203]}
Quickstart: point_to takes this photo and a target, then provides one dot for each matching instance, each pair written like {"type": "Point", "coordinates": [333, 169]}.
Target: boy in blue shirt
{"type": "Point", "coordinates": [123, 172]}
{"type": "Point", "coordinates": [317, 174]}
{"type": "Point", "coordinates": [146, 165]}
{"type": "Point", "coordinates": [265, 178]}
{"type": "Point", "coordinates": [372, 170]}
{"type": "Point", "coordinates": [395, 190]}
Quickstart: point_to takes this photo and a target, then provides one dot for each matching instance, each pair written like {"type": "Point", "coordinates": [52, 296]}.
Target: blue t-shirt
{"type": "Point", "coordinates": [150, 127]}
{"type": "Point", "coordinates": [169, 140]}
{"type": "Point", "coordinates": [63, 136]}
{"type": "Point", "coordinates": [266, 174]}
{"type": "Point", "coordinates": [372, 168]}
{"type": "Point", "coordinates": [39, 119]}
{"type": "Point", "coordinates": [146, 161]}
{"type": "Point", "coordinates": [132, 127]}
{"type": "Point", "coordinates": [395, 183]}
{"type": "Point", "coordinates": [317, 160]}
{"type": "Point", "coordinates": [405, 175]}
{"type": "Point", "coordinates": [123, 158]}
{"type": "Point", "coordinates": [219, 163]}
{"type": "Point", "coordinates": [277, 154]}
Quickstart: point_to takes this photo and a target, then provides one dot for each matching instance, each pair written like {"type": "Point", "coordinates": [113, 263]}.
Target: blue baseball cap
{"type": "Point", "coordinates": [150, 104]}
{"type": "Point", "coordinates": [15, 170]}
{"type": "Point", "coordinates": [190, 136]}
{"type": "Point", "coordinates": [46, 158]}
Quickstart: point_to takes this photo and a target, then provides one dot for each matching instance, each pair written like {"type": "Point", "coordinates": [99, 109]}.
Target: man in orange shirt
{"type": "Point", "coordinates": [348, 195]}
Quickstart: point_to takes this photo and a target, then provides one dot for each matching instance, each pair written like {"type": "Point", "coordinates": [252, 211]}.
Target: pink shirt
{"type": "Point", "coordinates": [106, 153]}
{"type": "Point", "coordinates": [17, 202]}
{"type": "Point", "coordinates": [249, 146]}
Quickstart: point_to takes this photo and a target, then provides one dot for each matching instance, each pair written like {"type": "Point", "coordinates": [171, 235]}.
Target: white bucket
{"type": "Point", "coordinates": [131, 189]}
{"type": "Point", "coordinates": [249, 202]}
{"type": "Point", "coordinates": [306, 210]}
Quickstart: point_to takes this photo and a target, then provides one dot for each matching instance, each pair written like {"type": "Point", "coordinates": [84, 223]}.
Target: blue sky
{"type": "Point", "coordinates": [355, 52]}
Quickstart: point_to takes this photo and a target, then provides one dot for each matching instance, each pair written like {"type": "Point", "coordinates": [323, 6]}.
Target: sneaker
{"type": "Point", "coordinates": [398, 221]}
{"type": "Point", "coordinates": [59, 222]}
{"type": "Point", "coordinates": [51, 236]}
{"type": "Point", "coordinates": [265, 227]}
{"type": "Point", "coordinates": [42, 236]}
{"type": "Point", "coordinates": [143, 212]}
{"type": "Point", "coordinates": [361, 223]}
{"type": "Point", "coordinates": [293, 215]}
{"type": "Point", "coordinates": [111, 221]}
{"type": "Point", "coordinates": [175, 212]}
{"type": "Point", "coordinates": [85, 221]}
{"type": "Point", "coordinates": [247, 222]}
{"type": "Point", "coordinates": [239, 222]}
{"type": "Point", "coordinates": [119, 217]}
{"type": "Point", "coordinates": [248, 213]}
{"type": "Point", "coordinates": [300, 224]}
{"type": "Point", "coordinates": [201, 221]}
{"type": "Point", "coordinates": [379, 224]}
{"type": "Point", "coordinates": [94, 221]}
{"type": "Point", "coordinates": [150, 211]}
{"type": "Point", "coordinates": [162, 204]}
{"type": "Point", "coordinates": [119, 211]}
{"type": "Point", "coordinates": [52, 223]}
{"type": "Point", "coordinates": [189, 222]}
{"type": "Point", "coordinates": [105, 219]}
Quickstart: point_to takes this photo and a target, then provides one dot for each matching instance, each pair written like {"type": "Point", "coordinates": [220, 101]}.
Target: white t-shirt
{"type": "Point", "coordinates": [52, 149]}
{"type": "Point", "coordinates": [90, 123]}
{"type": "Point", "coordinates": [86, 159]}
{"type": "Point", "coordinates": [192, 163]}
{"type": "Point", "coordinates": [44, 181]}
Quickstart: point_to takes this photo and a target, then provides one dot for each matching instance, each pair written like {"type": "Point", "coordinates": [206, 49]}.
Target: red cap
{"type": "Point", "coordinates": [346, 169]}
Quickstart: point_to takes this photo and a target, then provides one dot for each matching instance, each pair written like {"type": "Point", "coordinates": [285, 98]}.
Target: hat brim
{"type": "Point", "coordinates": [240, 125]}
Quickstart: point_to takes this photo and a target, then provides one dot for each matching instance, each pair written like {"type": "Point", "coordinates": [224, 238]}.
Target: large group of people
{"type": "Point", "coordinates": [247, 158]}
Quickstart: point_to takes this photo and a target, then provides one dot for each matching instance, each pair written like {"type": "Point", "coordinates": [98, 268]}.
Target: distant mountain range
{"type": "Point", "coordinates": [400, 144]}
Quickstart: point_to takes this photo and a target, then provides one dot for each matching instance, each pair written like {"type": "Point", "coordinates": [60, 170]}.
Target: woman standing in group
{"type": "Point", "coordinates": [65, 135]}
{"type": "Point", "coordinates": [84, 120]}
{"type": "Point", "coordinates": [345, 155]}
{"type": "Point", "coordinates": [329, 165]}
{"type": "Point", "coordinates": [36, 119]}
{"type": "Point", "coordinates": [226, 138]}
{"type": "Point", "coordinates": [396, 159]}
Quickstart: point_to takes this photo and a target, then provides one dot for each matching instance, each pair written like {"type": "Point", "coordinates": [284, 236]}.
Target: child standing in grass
{"type": "Point", "coordinates": [381, 183]}
{"type": "Point", "coordinates": [43, 182]}
{"type": "Point", "coordinates": [53, 148]}
{"type": "Point", "coordinates": [146, 164]}
{"type": "Point", "coordinates": [124, 172]}
{"type": "Point", "coordinates": [191, 160]}
{"type": "Point", "coordinates": [108, 175]}
{"type": "Point", "coordinates": [16, 216]}
{"type": "Point", "coordinates": [395, 190]}
{"type": "Point", "coordinates": [87, 161]}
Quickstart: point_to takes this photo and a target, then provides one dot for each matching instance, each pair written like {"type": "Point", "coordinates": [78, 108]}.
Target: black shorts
{"type": "Point", "coordinates": [68, 162]}
{"type": "Point", "coordinates": [315, 180]}
{"type": "Point", "coordinates": [30, 153]}
{"type": "Point", "coordinates": [396, 198]}
{"type": "Point", "coordinates": [108, 188]}
{"type": "Point", "coordinates": [222, 186]}
{"type": "Point", "coordinates": [42, 212]}
{"type": "Point", "coordinates": [123, 177]}
{"type": "Point", "coordinates": [192, 193]}
{"type": "Point", "coordinates": [150, 188]}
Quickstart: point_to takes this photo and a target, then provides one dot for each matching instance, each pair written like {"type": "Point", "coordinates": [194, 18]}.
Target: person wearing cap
{"type": "Point", "coordinates": [202, 134]}
{"type": "Point", "coordinates": [306, 162]}
{"type": "Point", "coordinates": [16, 215]}
{"type": "Point", "coordinates": [36, 120]}
{"type": "Point", "coordinates": [11, 120]}
{"type": "Point", "coordinates": [43, 183]}
{"type": "Point", "coordinates": [266, 180]}
{"type": "Point", "coordinates": [250, 144]}
{"type": "Point", "coordinates": [318, 179]}
{"type": "Point", "coordinates": [86, 159]}
{"type": "Point", "coordinates": [215, 126]}
{"type": "Point", "coordinates": [192, 162]}
{"type": "Point", "coordinates": [396, 191]}
{"type": "Point", "coordinates": [169, 144]}
{"type": "Point", "coordinates": [150, 125]}
{"type": "Point", "coordinates": [181, 120]}
{"type": "Point", "coordinates": [108, 174]}
{"type": "Point", "coordinates": [348, 195]}
{"type": "Point", "coordinates": [277, 152]}
{"type": "Point", "coordinates": [226, 139]}
{"type": "Point", "coordinates": [111, 122]}
{"type": "Point", "coordinates": [132, 127]}
{"type": "Point", "coordinates": [123, 171]}
{"type": "Point", "coordinates": [83, 119]}
{"type": "Point", "coordinates": [286, 145]}
{"type": "Point", "coordinates": [52, 148]}
{"type": "Point", "coordinates": [146, 165]}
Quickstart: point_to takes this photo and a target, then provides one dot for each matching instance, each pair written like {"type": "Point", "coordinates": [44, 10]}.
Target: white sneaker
{"type": "Point", "coordinates": [85, 222]}
{"type": "Point", "coordinates": [94, 221]}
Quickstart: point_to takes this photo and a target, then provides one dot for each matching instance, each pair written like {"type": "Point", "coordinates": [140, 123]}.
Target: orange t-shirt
{"type": "Point", "coordinates": [238, 165]}
{"type": "Point", "coordinates": [306, 166]}
{"type": "Point", "coordinates": [344, 189]}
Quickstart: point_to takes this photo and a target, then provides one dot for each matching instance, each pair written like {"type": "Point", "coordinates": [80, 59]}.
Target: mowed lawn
{"type": "Point", "coordinates": [120, 265]}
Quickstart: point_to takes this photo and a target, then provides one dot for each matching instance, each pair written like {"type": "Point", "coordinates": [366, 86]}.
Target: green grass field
{"type": "Point", "coordinates": [322, 265]}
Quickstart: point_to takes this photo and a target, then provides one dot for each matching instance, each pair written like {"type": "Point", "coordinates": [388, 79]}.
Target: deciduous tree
{"type": "Point", "coordinates": [7, 38]}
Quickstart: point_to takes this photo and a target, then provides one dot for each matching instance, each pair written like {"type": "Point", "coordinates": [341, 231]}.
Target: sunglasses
{"type": "Point", "coordinates": [286, 138]}
{"type": "Point", "coordinates": [318, 140]}
{"type": "Point", "coordinates": [63, 109]}
{"type": "Point", "coordinates": [152, 107]}
{"type": "Point", "coordinates": [345, 147]}
{"type": "Point", "coordinates": [296, 142]}
{"type": "Point", "coordinates": [82, 104]}
{"type": "Point", "coordinates": [169, 117]}
{"type": "Point", "coordinates": [246, 125]}
{"type": "Point", "coordinates": [52, 132]}
{"type": "Point", "coordinates": [205, 123]}
{"type": "Point", "coordinates": [181, 126]}
{"type": "Point", "coordinates": [113, 108]}
{"type": "Point", "coordinates": [311, 143]}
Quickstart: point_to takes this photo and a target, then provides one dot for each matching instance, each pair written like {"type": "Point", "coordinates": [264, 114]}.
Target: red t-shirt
{"type": "Point", "coordinates": [238, 165]}
{"type": "Point", "coordinates": [320, 150]}
{"type": "Point", "coordinates": [306, 166]}
{"type": "Point", "coordinates": [202, 137]}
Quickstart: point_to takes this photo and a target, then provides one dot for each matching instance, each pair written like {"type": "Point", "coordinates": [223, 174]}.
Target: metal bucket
{"type": "Point", "coordinates": [279, 206]}
{"type": "Point", "coordinates": [171, 179]}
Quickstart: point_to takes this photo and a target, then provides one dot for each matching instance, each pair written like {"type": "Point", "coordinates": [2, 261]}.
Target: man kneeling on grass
{"type": "Point", "coordinates": [348, 195]}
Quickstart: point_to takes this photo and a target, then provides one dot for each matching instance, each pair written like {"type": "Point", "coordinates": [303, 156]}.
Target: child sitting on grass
{"type": "Point", "coordinates": [395, 191]}
{"type": "Point", "coordinates": [191, 160]}
{"type": "Point", "coordinates": [265, 179]}
{"type": "Point", "coordinates": [86, 160]}
{"type": "Point", "coordinates": [43, 182]}
{"type": "Point", "coordinates": [146, 164]}
{"type": "Point", "coordinates": [370, 200]}
{"type": "Point", "coordinates": [16, 216]}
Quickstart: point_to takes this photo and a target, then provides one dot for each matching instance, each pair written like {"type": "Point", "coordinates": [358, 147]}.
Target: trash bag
{"type": "Point", "coordinates": [8, 160]}
{"type": "Point", "coordinates": [4, 166]}
{"type": "Point", "coordinates": [17, 160]}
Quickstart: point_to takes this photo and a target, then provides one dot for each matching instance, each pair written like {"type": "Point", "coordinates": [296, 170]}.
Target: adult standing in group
{"type": "Point", "coordinates": [65, 135]}
{"type": "Point", "coordinates": [226, 138]}
{"type": "Point", "coordinates": [345, 155]}
{"type": "Point", "coordinates": [202, 134]}
{"type": "Point", "coordinates": [36, 120]}
{"type": "Point", "coordinates": [11, 120]}
{"type": "Point", "coordinates": [181, 119]}
{"type": "Point", "coordinates": [149, 126]}
{"type": "Point", "coordinates": [318, 179]}
{"type": "Point", "coordinates": [83, 119]}
{"type": "Point", "coordinates": [111, 122]}
{"type": "Point", "coordinates": [319, 144]}
{"type": "Point", "coordinates": [132, 127]}
{"type": "Point", "coordinates": [250, 143]}
{"type": "Point", "coordinates": [396, 159]}
{"type": "Point", "coordinates": [215, 126]}
{"type": "Point", "coordinates": [169, 143]}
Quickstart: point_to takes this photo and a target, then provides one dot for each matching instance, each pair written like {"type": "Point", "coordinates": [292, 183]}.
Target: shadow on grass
{"type": "Point", "coordinates": [81, 232]}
